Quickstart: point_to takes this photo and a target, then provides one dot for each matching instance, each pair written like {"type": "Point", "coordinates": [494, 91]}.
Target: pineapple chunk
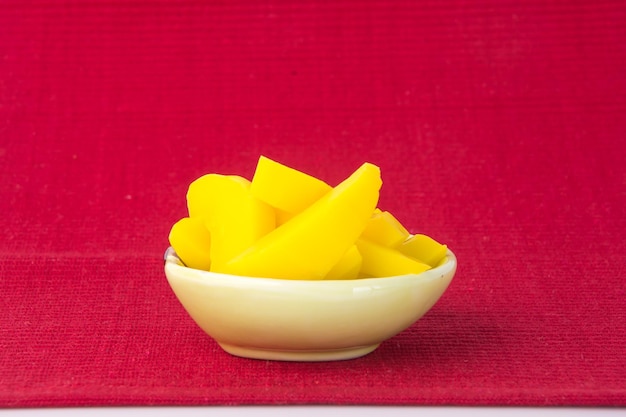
{"type": "Point", "coordinates": [383, 228]}
{"type": "Point", "coordinates": [424, 248]}
{"type": "Point", "coordinates": [380, 261]}
{"type": "Point", "coordinates": [191, 241]}
{"type": "Point", "coordinates": [285, 188]}
{"type": "Point", "coordinates": [234, 217]}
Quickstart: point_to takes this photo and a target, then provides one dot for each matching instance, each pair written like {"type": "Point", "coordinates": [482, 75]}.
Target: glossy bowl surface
{"type": "Point", "coordinates": [294, 320]}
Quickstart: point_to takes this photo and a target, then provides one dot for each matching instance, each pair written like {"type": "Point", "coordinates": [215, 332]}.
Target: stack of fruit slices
{"type": "Point", "coordinates": [287, 224]}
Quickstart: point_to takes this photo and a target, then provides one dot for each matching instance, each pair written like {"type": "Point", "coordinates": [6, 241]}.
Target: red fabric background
{"type": "Point", "coordinates": [498, 126]}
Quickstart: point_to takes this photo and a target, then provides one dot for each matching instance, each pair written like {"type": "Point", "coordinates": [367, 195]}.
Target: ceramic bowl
{"type": "Point", "coordinates": [290, 320]}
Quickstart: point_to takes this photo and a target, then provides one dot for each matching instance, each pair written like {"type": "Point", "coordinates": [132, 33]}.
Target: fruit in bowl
{"type": "Point", "coordinates": [286, 267]}
{"type": "Point", "coordinates": [305, 320]}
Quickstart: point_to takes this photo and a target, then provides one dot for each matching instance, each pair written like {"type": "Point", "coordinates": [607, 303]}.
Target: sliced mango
{"type": "Point", "coordinates": [425, 249]}
{"type": "Point", "coordinates": [191, 241]}
{"type": "Point", "coordinates": [312, 242]}
{"type": "Point", "coordinates": [234, 217]}
{"type": "Point", "coordinates": [380, 261]}
{"type": "Point", "coordinates": [383, 228]}
{"type": "Point", "coordinates": [348, 266]}
{"type": "Point", "coordinates": [285, 188]}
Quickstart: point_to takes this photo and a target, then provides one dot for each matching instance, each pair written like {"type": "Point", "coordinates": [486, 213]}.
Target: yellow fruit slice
{"type": "Point", "coordinates": [191, 241]}
{"type": "Point", "coordinates": [311, 243]}
{"type": "Point", "coordinates": [285, 188]}
{"type": "Point", "coordinates": [348, 266]}
{"type": "Point", "coordinates": [380, 261]}
{"type": "Point", "coordinates": [234, 217]}
{"type": "Point", "coordinates": [424, 248]}
{"type": "Point", "coordinates": [383, 228]}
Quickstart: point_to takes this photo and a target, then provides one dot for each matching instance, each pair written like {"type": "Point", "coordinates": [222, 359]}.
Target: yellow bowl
{"type": "Point", "coordinates": [294, 320]}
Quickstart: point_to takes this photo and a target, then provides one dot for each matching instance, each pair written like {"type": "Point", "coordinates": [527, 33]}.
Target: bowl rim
{"type": "Point", "coordinates": [174, 265]}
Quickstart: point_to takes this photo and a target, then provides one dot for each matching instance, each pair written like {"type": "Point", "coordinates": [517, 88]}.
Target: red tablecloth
{"type": "Point", "coordinates": [499, 129]}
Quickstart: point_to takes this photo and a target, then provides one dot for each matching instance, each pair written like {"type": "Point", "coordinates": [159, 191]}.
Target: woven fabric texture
{"type": "Point", "coordinates": [498, 127]}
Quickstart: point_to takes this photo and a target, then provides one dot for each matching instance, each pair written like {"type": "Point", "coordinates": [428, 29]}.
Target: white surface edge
{"type": "Point", "coordinates": [306, 411]}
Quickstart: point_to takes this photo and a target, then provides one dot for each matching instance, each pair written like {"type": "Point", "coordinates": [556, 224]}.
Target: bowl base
{"type": "Point", "coordinates": [299, 355]}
